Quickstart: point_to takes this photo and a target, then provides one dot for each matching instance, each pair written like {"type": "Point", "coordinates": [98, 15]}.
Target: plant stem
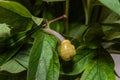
{"type": "Point", "coordinates": [56, 19]}
{"type": "Point", "coordinates": [67, 14]}
{"type": "Point", "coordinates": [86, 12]}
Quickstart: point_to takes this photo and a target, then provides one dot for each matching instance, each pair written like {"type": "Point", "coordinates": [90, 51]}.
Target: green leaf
{"type": "Point", "coordinates": [93, 36]}
{"type": "Point", "coordinates": [37, 20]}
{"type": "Point", "coordinates": [43, 62]}
{"type": "Point", "coordinates": [18, 17]}
{"type": "Point", "coordinates": [114, 5]}
{"type": "Point", "coordinates": [111, 18]}
{"type": "Point", "coordinates": [8, 54]}
{"type": "Point", "coordinates": [53, 0]}
{"type": "Point", "coordinates": [100, 68]}
{"type": "Point", "coordinates": [12, 66]}
{"type": "Point", "coordinates": [23, 55]}
{"type": "Point", "coordinates": [26, 3]}
{"type": "Point", "coordinates": [16, 7]}
{"type": "Point", "coordinates": [10, 46]}
{"type": "Point", "coordinates": [112, 36]}
{"type": "Point", "coordinates": [78, 32]}
{"type": "Point", "coordinates": [81, 60]}
{"type": "Point", "coordinates": [8, 76]}
{"type": "Point", "coordinates": [17, 22]}
{"type": "Point", "coordinates": [4, 30]}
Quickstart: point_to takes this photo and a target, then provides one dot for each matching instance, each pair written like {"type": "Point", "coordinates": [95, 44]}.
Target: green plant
{"type": "Point", "coordinates": [27, 52]}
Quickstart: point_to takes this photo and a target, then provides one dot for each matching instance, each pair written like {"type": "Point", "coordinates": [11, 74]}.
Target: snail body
{"type": "Point", "coordinates": [54, 33]}
{"type": "Point", "coordinates": [67, 50]}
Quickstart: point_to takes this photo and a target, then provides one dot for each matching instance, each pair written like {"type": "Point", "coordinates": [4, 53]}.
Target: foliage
{"type": "Point", "coordinates": [27, 52]}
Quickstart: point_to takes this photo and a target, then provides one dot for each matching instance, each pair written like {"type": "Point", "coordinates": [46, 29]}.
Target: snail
{"type": "Point", "coordinates": [67, 50]}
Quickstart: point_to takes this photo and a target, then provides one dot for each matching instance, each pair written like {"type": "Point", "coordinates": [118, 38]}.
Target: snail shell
{"type": "Point", "coordinates": [67, 50]}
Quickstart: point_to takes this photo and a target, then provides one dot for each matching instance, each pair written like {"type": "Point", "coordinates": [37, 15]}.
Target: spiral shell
{"type": "Point", "coordinates": [67, 50]}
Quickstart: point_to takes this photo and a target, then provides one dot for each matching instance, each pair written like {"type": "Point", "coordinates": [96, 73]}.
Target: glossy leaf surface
{"type": "Point", "coordinates": [114, 5]}
{"type": "Point", "coordinates": [16, 21]}
{"type": "Point", "coordinates": [102, 68]}
{"type": "Point", "coordinates": [80, 61]}
{"type": "Point", "coordinates": [43, 63]}
{"type": "Point", "coordinates": [12, 67]}
{"type": "Point", "coordinates": [15, 7]}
